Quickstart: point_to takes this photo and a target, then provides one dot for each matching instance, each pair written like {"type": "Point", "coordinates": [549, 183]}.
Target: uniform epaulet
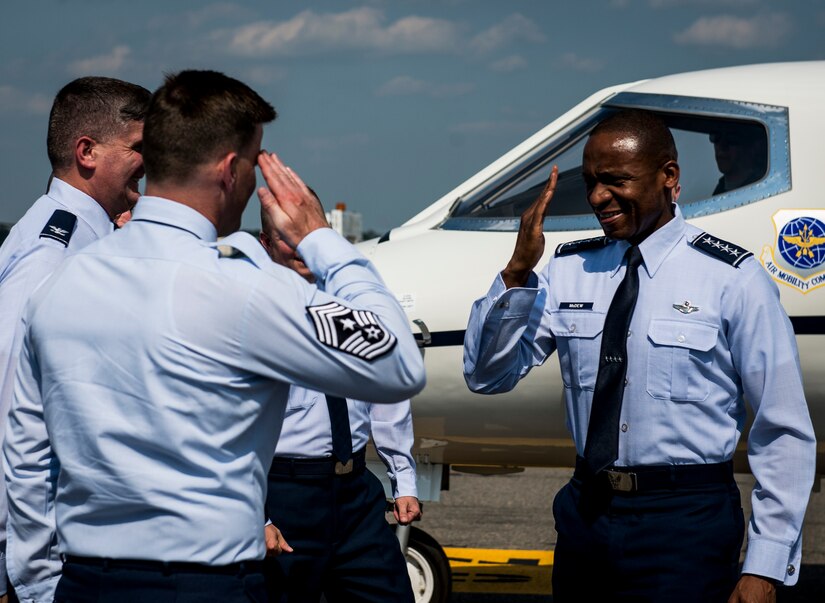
{"type": "Point", "coordinates": [60, 227]}
{"type": "Point", "coordinates": [581, 245]}
{"type": "Point", "coordinates": [721, 250]}
{"type": "Point", "coordinates": [243, 245]}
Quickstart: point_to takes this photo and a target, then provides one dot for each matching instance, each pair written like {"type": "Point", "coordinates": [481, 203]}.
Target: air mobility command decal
{"type": "Point", "coordinates": [797, 256]}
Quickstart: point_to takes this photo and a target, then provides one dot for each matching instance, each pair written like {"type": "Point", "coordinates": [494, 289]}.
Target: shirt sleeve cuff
{"type": "Point", "coordinates": [323, 249]}
{"type": "Point", "coordinates": [39, 592]}
{"type": "Point", "coordinates": [513, 302]}
{"type": "Point", "coordinates": [405, 486]}
{"type": "Point", "coordinates": [771, 559]}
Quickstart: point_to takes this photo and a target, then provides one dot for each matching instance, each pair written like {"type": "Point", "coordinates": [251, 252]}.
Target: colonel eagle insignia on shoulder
{"type": "Point", "coordinates": [60, 227]}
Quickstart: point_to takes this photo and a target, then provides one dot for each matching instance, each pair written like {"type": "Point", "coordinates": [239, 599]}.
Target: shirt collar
{"type": "Point", "coordinates": [656, 247]}
{"type": "Point", "coordinates": [82, 205]}
{"type": "Point", "coordinates": [178, 215]}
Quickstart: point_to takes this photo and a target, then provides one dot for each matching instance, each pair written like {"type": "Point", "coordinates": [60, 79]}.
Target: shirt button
{"type": "Point", "coordinates": [791, 570]}
{"type": "Point", "coordinates": [626, 381]}
{"type": "Point", "coordinates": [681, 339]}
{"type": "Point", "coordinates": [573, 328]}
{"type": "Point", "coordinates": [629, 332]}
{"type": "Point", "coordinates": [624, 428]}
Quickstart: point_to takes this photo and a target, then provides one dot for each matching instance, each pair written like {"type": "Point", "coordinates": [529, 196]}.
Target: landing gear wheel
{"type": "Point", "coordinates": [429, 569]}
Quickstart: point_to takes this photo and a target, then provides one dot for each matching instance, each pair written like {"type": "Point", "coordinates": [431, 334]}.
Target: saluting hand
{"type": "Point", "coordinates": [753, 589]}
{"type": "Point", "coordinates": [406, 509]}
{"type": "Point", "coordinates": [275, 542]}
{"type": "Point", "coordinates": [294, 210]}
{"type": "Point", "coordinates": [530, 240]}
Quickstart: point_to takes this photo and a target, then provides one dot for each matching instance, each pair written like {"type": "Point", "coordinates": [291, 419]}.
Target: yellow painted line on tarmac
{"type": "Point", "coordinates": [501, 571]}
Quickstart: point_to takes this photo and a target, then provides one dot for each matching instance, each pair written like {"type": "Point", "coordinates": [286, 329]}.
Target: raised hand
{"type": "Point", "coordinates": [530, 240]}
{"type": "Point", "coordinates": [293, 209]}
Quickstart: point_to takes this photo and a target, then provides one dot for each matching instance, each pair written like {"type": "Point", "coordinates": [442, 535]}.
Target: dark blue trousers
{"type": "Point", "coordinates": [659, 546]}
{"type": "Point", "coordinates": [87, 583]}
{"type": "Point", "coordinates": [344, 547]}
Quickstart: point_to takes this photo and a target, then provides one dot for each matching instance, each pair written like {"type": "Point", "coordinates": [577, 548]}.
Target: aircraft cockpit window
{"type": "Point", "coordinates": [718, 156]}
{"type": "Point", "coordinates": [725, 159]}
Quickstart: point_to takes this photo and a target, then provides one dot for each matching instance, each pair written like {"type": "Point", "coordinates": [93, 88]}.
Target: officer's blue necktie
{"type": "Point", "coordinates": [602, 445]}
{"type": "Point", "coordinates": [339, 423]}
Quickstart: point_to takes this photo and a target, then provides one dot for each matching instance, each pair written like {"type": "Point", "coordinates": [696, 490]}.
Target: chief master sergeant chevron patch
{"type": "Point", "coordinates": [356, 332]}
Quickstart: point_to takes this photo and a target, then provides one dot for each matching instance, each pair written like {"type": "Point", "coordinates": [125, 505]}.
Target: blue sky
{"type": "Point", "coordinates": [384, 106]}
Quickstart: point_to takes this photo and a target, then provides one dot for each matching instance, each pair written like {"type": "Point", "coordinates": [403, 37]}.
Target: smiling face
{"type": "Point", "coordinates": [629, 189]}
{"type": "Point", "coordinates": [119, 169]}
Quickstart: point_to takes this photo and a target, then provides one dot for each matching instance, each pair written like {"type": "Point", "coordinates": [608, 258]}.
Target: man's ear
{"type": "Point", "coordinates": [228, 170]}
{"type": "Point", "coordinates": [265, 240]}
{"type": "Point", "coordinates": [671, 172]}
{"type": "Point", "coordinates": [85, 152]}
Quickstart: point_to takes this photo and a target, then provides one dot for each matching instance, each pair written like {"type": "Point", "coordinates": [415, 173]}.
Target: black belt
{"type": "Point", "coordinates": [168, 567]}
{"type": "Point", "coordinates": [658, 477]}
{"type": "Point", "coordinates": [282, 465]}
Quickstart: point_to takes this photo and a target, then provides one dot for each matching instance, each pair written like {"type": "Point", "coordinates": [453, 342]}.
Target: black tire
{"type": "Point", "coordinates": [429, 568]}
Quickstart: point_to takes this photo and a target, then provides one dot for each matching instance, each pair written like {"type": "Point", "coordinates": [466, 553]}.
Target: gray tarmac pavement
{"type": "Point", "coordinates": [513, 511]}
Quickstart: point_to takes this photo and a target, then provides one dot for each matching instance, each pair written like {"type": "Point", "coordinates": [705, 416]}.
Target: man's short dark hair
{"type": "Point", "coordinates": [98, 107]}
{"type": "Point", "coordinates": [197, 116]}
{"type": "Point", "coordinates": [650, 129]}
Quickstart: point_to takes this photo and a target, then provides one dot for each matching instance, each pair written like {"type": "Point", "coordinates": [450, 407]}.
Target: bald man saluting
{"type": "Point", "coordinates": [662, 332]}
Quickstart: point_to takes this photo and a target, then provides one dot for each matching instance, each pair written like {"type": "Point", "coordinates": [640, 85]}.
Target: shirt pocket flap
{"type": "Point", "coordinates": [302, 399]}
{"type": "Point", "coordinates": [565, 323]}
{"type": "Point", "coordinates": [683, 334]}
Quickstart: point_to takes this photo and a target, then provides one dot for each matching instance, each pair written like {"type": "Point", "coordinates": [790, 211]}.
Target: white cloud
{"type": "Point", "coordinates": [14, 100]}
{"type": "Point", "coordinates": [765, 30]}
{"type": "Point", "coordinates": [571, 60]}
{"type": "Point", "coordinates": [357, 29]}
{"type": "Point", "coordinates": [512, 63]}
{"type": "Point", "coordinates": [407, 86]}
{"type": "Point", "coordinates": [104, 64]}
{"type": "Point", "coordinates": [515, 27]}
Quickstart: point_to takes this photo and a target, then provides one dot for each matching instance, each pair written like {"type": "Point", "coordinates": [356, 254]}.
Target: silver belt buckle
{"type": "Point", "coordinates": [622, 482]}
{"type": "Point", "coordinates": [343, 468]}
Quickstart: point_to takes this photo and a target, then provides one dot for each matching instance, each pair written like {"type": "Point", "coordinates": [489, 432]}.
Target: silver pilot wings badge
{"type": "Point", "coordinates": [685, 307]}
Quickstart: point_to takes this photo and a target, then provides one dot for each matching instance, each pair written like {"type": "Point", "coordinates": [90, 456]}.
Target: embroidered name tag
{"type": "Point", "coordinates": [576, 306]}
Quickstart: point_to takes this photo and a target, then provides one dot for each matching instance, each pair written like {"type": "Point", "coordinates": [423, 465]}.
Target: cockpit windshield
{"type": "Point", "coordinates": [718, 154]}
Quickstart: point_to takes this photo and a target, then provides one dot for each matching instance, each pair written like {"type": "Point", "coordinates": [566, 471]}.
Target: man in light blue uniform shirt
{"type": "Point", "coordinates": [155, 370]}
{"type": "Point", "coordinates": [662, 521]}
{"type": "Point", "coordinates": [330, 511]}
{"type": "Point", "coordinates": [94, 146]}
